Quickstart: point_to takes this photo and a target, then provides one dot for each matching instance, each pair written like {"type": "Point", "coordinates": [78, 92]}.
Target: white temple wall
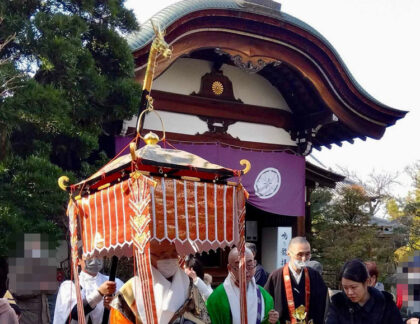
{"type": "Point", "coordinates": [184, 77]}
{"type": "Point", "coordinates": [191, 125]}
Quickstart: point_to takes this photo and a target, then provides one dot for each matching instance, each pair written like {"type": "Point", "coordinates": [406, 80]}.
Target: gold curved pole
{"type": "Point", "coordinates": [62, 181]}
{"type": "Point", "coordinates": [159, 46]}
{"type": "Point", "coordinates": [133, 151]}
{"type": "Point", "coordinates": [247, 165]}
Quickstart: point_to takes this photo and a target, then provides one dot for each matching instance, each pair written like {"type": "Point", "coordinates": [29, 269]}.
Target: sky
{"type": "Point", "coordinates": [378, 40]}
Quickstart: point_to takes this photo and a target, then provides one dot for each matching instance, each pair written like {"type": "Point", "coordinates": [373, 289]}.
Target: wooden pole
{"type": "Point", "coordinates": [112, 274]}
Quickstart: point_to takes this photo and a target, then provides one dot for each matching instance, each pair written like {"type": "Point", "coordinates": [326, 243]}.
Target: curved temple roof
{"type": "Point", "coordinates": [327, 103]}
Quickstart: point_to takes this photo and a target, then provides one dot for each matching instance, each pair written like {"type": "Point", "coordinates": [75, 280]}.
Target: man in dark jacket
{"type": "Point", "coordinates": [261, 275]}
{"type": "Point", "coordinates": [379, 309]}
{"type": "Point", "coordinates": [295, 284]}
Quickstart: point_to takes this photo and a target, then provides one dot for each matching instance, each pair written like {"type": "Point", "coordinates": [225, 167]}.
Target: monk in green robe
{"type": "Point", "coordinates": [223, 304]}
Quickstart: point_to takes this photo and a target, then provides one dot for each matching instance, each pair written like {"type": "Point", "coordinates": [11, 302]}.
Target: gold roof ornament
{"type": "Point", "coordinates": [151, 138]}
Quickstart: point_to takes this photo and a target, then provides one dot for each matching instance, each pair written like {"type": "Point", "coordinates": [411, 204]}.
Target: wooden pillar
{"type": "Point", "coordinates": [300, 226]}
{"type": "Point", "coordinates": [304, 222]}
{"type": "Point", "coordinates": [308, 216]}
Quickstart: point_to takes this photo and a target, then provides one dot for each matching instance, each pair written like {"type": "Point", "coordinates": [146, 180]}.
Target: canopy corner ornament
{"type": "Point", "coordinates": [63, 183]}
{"type": "Point", "coordinates": [247, 165]}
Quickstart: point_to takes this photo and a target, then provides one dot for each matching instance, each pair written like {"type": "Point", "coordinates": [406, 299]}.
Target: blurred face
{"type": "Point", "coordinates": [91, 265]}
{"type": "Point", "coordinates": [355, 291]}
{"type": "Point", "coordinates": [33, 266]}
{"type": "Point", "coordinates": [233, 267]}
{"type": "Point", "coordinates": [299, 254]}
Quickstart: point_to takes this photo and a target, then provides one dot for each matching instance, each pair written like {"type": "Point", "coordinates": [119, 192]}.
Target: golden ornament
{"type": "Point", "coordinates": [151, 138]}
{"type": "Point", "coordinates": [217, 88]}
{"type": "Point", "coordinates": [300, 315]}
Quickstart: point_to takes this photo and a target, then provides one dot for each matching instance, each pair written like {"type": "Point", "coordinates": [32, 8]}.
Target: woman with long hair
{"type": "Point", "coordinates": [358, 303]}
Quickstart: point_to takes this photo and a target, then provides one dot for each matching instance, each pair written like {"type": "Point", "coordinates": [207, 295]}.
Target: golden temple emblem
{"type": "Point", "coordinates": [217, 88]}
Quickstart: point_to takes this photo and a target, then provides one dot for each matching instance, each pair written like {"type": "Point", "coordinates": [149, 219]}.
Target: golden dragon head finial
{"type": "Point", "coordinates": [159, 42]}
{"type": "Point", "coordinates": [159, 46]}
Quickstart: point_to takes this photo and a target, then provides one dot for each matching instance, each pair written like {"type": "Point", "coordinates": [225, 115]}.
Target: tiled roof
{"type": "Point", "coordinates": [172, 13]}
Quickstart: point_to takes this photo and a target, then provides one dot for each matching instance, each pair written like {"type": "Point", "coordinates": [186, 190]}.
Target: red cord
{"type": "Point", "coordinates": [116, 156]}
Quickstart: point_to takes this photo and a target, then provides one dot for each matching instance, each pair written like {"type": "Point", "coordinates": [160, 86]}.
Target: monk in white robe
{"type": "Point", "coordinates": [176, 297]}
{"type": "Point", "coordinates": [94, 286]}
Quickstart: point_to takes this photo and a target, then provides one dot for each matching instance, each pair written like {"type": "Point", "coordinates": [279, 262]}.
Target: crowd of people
{"type": "Point", "coordinates": [185, 295]}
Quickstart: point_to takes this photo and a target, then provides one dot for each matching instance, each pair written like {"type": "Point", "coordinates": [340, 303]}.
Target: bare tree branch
{"type": "Point", "coordinates": [7, 41]}
{"type": "Point", "coordinates": [10, 83]}
{"type": "Point", "coordinates": [377, 185]}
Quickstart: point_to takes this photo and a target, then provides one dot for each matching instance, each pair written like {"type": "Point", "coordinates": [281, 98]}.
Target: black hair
{"type": "Point", "coordinates": [17, 309]}
{"type": "Point", "coordinates": [196, 265]}
{"type": "Point", "coordinates": [4, 270]}
{"type": "Point", "coordinates": [354, 270]}
{"type": "Point", "coordinates": [80, 251]}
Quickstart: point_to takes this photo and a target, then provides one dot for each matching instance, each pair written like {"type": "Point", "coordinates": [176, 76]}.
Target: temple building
{"type": "Point", "coordinates": [248, 81]}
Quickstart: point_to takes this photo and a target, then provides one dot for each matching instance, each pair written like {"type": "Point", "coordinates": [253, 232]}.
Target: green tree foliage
{"type": "Point", "coordinates": [406, 212]}
{"type": "Point", "coordinates": [342, 231]}
{"type": "Point", "coordinates": [73, 77]}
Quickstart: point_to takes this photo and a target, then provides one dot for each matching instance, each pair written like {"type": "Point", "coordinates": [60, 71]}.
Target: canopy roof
{"type": "Point", "coordinates": [327, 103]}
{"type": "Point", "coordinates": [156, 161]}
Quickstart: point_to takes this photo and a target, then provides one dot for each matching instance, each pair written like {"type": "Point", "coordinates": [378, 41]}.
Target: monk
{"type": "Point", "coordinates": [94, 286]}
{"type": "Point", "coordinates": [177, 299]}
{"type": "Point", "coordinates": [296, 284]}
{"type": "Point", "coordinates": [224, 303]}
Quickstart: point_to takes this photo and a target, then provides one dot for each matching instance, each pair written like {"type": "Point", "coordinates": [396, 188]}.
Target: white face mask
{"type": "Point", "coordinates": [93, 265]}
{"type": "Point", "coordinates": [167, 267]}
{"type": "Point", "coordinates": [300, 264]}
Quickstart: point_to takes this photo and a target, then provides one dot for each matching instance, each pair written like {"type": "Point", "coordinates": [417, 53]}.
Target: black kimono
{"type": "Point", "coordinates": [379, 309]}
{"type": "Point", "coordinates": [318, 296]}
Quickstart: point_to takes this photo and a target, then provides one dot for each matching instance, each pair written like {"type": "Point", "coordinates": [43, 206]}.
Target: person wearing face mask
{"type": "Point", "coordinates": [296, 284]}
{"type": "Point", "coordinates": [94, 286]}
{"type": "Point", "coordinates": [177, 299]}
{"type": "Point", "coordinates": [224, 303]}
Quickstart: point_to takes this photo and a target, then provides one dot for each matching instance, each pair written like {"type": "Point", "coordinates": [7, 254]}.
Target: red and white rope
{"type": "Point", "coordinates": [242, 261]}
{"type": "Point", "coordinates": [71, 212]}
{"type": "Point", "coordinates": [140, 222]}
